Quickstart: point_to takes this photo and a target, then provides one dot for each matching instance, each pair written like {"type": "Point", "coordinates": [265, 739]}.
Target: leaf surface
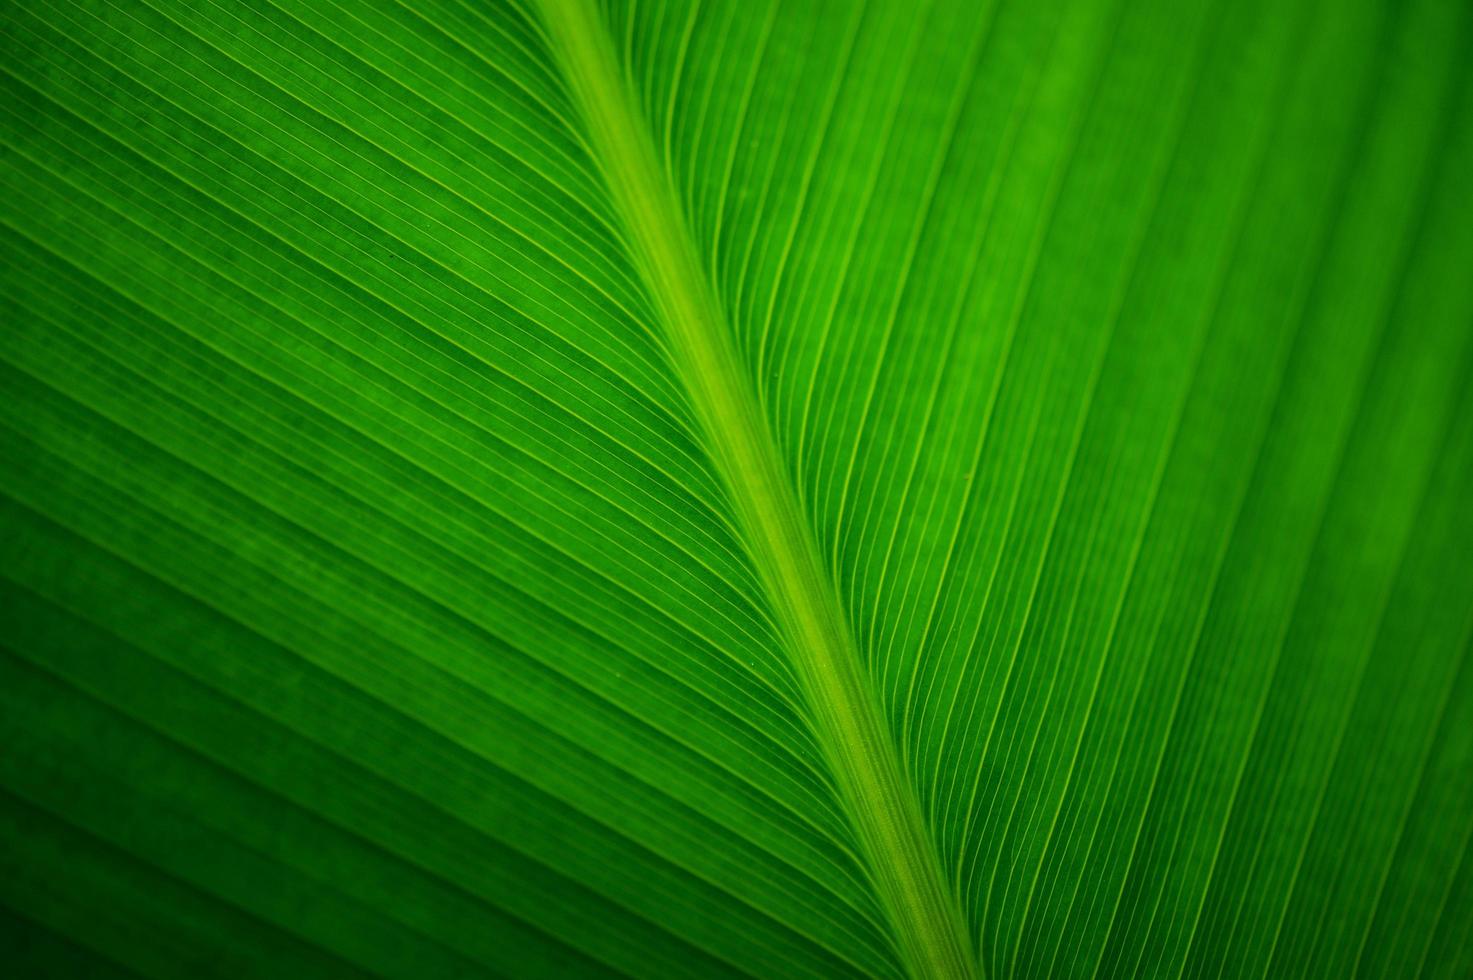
{"type": "Point", "coordinates": [737, 488]}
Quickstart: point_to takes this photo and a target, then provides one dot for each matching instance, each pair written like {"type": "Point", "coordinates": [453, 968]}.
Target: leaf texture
{"type": "Point", "coordinates": [715, 488]}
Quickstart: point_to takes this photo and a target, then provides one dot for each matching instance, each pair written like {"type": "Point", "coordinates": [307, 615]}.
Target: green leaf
{"type": "Point", "coordinates": [738, 487]}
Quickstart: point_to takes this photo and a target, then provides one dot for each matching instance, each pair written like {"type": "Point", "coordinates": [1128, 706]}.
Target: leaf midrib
{"type": "Point", "coordinates": [929, 930]}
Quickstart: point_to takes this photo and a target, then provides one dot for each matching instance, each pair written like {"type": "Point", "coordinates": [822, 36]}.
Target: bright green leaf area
{"type": "Point", "coordinates": [773, 488]}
